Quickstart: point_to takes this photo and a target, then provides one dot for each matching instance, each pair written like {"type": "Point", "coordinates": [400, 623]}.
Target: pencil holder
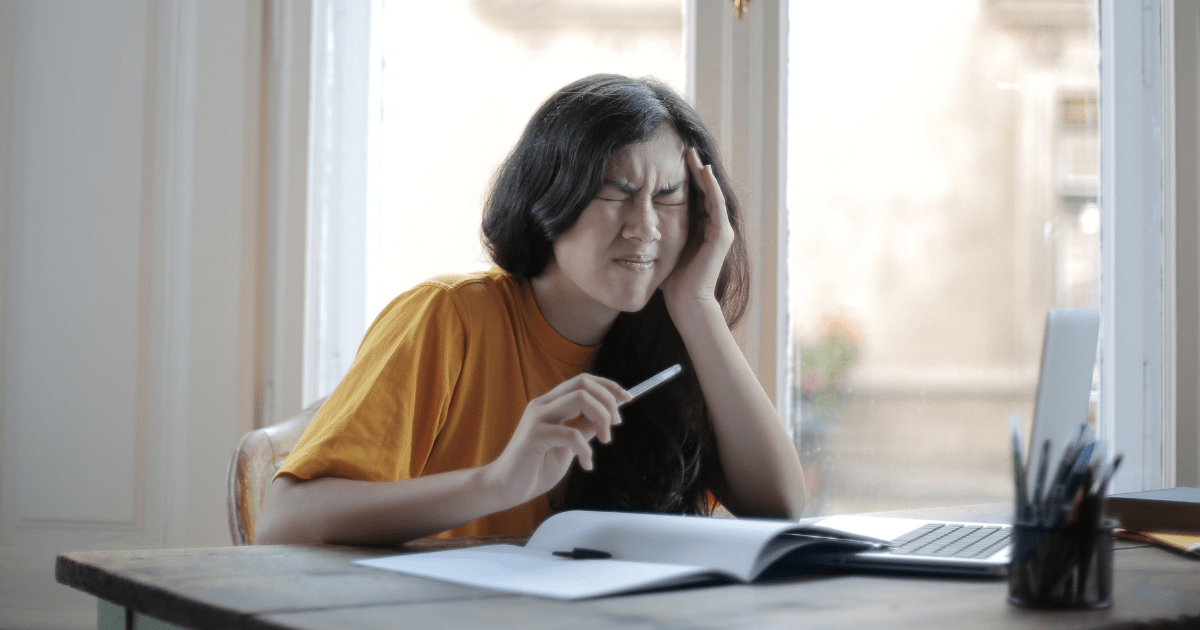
{"type": "Point", "coordinates": [1068, 566]}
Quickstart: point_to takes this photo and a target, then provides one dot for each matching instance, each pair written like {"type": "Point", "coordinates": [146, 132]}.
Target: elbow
{"type": "Point", "coordinates": [785, 497]}
{"type": "Point", "coordinates": [788, 506]}
{"type": "Point", "coordinates": [268, 528]}
{"type": "Point", "coordinates": [279, 520]}
{"type": "Point", "coordinates": [797, 501]}
{"type": "Point", "coordinates": [795, 495]}
{"type": "Point", "coordinates": [268, 532]}
{"type": "Point", "coordinates": [787, 502]}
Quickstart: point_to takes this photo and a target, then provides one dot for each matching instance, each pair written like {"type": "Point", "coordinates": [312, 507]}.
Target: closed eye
{"type": "Point", "coordinates": [616, 190]}
{"type": "Point", "coordinates": [619, 190]}
{"type": "Point", "coordinates": [671, 195]}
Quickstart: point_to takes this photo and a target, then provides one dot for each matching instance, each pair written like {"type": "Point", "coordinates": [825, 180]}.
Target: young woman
{"type": "Point", "coordinates": [619, 252]}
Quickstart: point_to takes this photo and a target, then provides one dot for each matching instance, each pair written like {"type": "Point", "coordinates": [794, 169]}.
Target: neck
{"type": "Point", "coordinates": [569, 312]}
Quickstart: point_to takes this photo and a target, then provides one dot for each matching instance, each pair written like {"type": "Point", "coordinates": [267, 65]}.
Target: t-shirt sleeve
{"type": "Point", "coordinates": [381, 422]}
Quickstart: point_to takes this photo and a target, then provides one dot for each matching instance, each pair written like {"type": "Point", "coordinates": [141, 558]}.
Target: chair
{"type": "Point", "coordinates": [258, 457]}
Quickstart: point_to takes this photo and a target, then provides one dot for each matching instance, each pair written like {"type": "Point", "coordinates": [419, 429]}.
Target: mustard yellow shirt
{"type": "Point", "coordinates": [439, 384]}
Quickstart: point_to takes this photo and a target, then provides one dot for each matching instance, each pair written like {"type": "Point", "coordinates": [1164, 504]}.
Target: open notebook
{"type": "Point", "coordinates": [580, 554]}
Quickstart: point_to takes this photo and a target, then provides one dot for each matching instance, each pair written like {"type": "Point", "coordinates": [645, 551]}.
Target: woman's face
{"type": "Point", "coordinates": [629, 238]}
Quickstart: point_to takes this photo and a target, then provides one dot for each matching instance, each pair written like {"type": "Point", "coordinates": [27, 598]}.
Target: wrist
{"type": "Point", "coordinates": [687, 312]}
{"type": "Point", "coordinates": [489, 485]}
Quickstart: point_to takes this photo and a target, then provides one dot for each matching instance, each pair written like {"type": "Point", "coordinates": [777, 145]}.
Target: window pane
{"type": "Point", "coordinates": [455, 83]}
{"type": "Point", "coordinates": [943, 160]}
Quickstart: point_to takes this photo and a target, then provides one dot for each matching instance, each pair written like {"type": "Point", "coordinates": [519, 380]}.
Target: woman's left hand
{"type": "Point", "coordinates": [695, 275]}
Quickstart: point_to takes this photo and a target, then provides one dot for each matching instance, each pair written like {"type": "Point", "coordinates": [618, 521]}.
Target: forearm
{"type": "Point", "coordinates": [762, 469]}
{"type": "Point", "coordinates": [333, 510]}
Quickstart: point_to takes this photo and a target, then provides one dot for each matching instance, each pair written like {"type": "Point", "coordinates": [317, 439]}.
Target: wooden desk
{"type": "Point", "coordinates": [317, 587]}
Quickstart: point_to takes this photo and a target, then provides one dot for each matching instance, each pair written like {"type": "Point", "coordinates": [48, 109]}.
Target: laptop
{"type": "Point", "coordinates": [967, 548]}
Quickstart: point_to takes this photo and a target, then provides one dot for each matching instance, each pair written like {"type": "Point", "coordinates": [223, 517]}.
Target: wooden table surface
{"type": "Point", "coordinates": [317, 587]}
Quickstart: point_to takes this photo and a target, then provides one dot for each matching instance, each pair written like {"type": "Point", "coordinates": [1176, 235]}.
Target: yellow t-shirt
{"type": "Point", "coordinates": [439, 384]}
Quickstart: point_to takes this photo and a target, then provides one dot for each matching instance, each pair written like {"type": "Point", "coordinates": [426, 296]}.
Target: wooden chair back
{"type": "Point", "coordinates": [257, 458]}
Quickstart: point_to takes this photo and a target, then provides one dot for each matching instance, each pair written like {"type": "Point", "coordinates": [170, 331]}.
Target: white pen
{"type": "Point", "coordinates": [652, 382]}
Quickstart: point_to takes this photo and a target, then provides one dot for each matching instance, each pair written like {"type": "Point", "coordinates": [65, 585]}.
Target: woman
{"type": "Point", "coordinates": [618, 253]}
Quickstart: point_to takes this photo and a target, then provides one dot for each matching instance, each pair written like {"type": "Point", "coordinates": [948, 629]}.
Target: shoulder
{"type": "Point", "coordinates": [491, 284]}
{"type": "Point", "coordinates": [483, 294]}
{"type": "Point", "coordinates": [461, 297]}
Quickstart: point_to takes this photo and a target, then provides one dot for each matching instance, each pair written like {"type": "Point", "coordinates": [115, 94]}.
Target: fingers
{"type": "Point", "coordinates": [576, 440]}
{"type": "Point", "coordinates": [593, 397]}
{"type": "Point", "coordinates": [706, 181]}
{"type": "Point", "coordinates": [595, 405]}
{"type": "Point", "coordinates": [589, 380]}
{"type": "Point", "coordinates": [574, 412]}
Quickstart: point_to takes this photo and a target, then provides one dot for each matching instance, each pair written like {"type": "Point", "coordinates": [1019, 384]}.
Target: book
{"type": "Point", "coordinates": [582, 554]}
{"type": "Point", "coordinates": [1184, 543]}
{"type": "Point", "coordinates": [1172, 511]}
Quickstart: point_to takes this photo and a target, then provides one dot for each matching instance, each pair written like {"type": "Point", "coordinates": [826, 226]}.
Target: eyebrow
{"type": "Point", "coordinates": [625, 187]}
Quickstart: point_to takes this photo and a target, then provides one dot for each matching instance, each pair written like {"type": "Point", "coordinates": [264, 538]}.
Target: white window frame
{"type": "Point", "coordinates": [337, 246]}
{"type": "Point", "coordinates": [738, 81]}
{"type": "Point", "coordinates": [1131, 242]}
{"type": "Point", "coordinates": [1140, 347]}
{"type": "Point", "coordinates": [286, 146]}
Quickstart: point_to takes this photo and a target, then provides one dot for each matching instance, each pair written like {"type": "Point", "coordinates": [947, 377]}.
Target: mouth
{"type": "Point", "coordinates": [636, 262]}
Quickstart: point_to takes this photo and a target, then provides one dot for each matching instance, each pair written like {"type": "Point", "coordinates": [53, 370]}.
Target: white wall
{"type": "Point", "coordinates": [129, 286]}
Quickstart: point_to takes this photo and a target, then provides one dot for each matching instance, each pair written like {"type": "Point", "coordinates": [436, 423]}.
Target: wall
{"type": "Point", "coordinates": [129, 287]}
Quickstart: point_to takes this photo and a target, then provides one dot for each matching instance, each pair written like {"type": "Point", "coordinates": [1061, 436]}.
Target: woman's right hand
{"type": "Point", "coordinates": [556, 428]}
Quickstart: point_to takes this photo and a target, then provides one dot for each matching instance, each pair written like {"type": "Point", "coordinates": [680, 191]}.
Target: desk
{"type": "Point", "coordinates": [317, 587]}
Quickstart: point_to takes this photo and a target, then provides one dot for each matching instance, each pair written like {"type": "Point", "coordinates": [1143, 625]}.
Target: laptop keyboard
{"type": "Point", "coordinates": [952, 541]}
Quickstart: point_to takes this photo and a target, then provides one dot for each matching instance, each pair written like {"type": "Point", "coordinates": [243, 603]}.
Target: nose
{"type": "Point", "coordinates": [641, 221]}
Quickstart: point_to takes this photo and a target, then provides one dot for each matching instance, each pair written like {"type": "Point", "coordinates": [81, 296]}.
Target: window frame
{"type": "Point", "coordinates": [737, 80]}
{"type": "Point", "coordinates": [1140, 349]}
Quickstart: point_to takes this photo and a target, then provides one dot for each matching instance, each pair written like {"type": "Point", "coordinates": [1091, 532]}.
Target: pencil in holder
{"type": "Point", "coordinates": [1069, 566]}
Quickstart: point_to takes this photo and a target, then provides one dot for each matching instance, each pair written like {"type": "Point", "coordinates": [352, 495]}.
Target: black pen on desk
{"type": "Point", "coordinates": [654, 381]}
{"type": "Point", "coordinates": [582, 553]}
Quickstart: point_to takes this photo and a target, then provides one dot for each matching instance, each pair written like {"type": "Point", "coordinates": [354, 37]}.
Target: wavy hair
{"type": "Point", "coordinates": [663, 457]}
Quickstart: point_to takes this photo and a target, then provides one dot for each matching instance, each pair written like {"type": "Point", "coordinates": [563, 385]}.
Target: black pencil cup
{"type": "Point", "coordinates": [1067, 567]}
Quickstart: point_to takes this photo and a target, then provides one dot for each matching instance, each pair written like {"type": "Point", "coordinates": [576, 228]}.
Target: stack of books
{"type": "Point", "coordinates": [1169, 518]}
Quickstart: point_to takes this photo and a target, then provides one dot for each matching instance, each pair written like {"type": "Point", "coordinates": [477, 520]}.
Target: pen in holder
{"type": "Point", "coordinates": [1061, 542]}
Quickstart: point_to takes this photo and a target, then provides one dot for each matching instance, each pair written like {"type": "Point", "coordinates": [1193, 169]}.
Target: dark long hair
{"type": "Point", "coordinates": [663, 457]}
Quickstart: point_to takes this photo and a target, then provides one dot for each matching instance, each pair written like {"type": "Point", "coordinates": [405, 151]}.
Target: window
{"type": "Point", "coordinates": [415, 110]}
{"type": "Point", "coordinates": [942, 197]}
{"type": "Point", "coordinates": [736, 73]}
{"type": "Point", "coordinates": [445, 123]}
